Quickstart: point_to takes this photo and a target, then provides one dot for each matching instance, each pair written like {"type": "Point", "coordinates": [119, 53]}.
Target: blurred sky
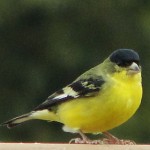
{"type": "Point", "coordinates": [46, 44]}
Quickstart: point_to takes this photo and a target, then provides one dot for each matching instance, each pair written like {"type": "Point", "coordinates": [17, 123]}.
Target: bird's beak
{"type": "Point", "coordinates": [133, 68]}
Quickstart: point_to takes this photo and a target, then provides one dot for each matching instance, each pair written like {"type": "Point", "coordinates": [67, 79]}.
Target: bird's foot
{"type": "Point", "coordinates": [83, 141]}
{"type": "Point", "coordinates": [118, 142]}
{"type": "Point", "coordinates": [110, 139]}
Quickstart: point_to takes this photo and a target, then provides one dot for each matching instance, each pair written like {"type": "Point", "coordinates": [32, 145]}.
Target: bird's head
{"type": "Point", "coordinates": [126, 60]}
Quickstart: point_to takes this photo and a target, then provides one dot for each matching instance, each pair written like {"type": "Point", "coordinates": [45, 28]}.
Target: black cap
{"type": "Point", "coordinates": [124, 57]}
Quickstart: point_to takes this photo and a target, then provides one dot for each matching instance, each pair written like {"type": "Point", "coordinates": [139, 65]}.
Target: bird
{"type": "Point", "coordinates": [99, 100]}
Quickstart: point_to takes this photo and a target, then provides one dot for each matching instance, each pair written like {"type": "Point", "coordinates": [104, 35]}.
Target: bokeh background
{"type": "Point", "coordinates": [46, 44]}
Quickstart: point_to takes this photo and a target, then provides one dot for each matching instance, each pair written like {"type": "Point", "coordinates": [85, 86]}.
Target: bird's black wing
{"type": "Point", "coordinates": [79, 88]}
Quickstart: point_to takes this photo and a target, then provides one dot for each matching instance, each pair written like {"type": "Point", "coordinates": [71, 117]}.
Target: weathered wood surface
{"type": "Point", "coordinates": [43, 146]}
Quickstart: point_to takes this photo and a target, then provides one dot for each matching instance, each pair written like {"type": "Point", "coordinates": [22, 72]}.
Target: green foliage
{"type": "Point", "coordinates": [44, 45]}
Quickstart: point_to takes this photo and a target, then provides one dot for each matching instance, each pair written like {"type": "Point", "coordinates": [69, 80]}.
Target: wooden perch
{"type": "Point", "coordinates": [40, 146]}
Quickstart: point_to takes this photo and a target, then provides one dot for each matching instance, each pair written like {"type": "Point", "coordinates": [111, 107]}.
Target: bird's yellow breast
{"type": "Point", "coordinates": [117, 101]}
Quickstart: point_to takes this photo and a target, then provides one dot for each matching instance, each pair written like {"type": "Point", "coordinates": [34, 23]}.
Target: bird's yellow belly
{"type": "Point", "coordinates": [103, 112]}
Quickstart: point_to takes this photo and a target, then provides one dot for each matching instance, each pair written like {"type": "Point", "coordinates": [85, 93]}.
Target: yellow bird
{"type": "Point", "coordinates": [101, 99]}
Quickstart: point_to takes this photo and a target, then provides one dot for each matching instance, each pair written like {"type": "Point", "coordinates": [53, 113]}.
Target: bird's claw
{"type": "Point", "coordinates": [118, 141]}
{"type": "Point", "coordinates": [81, 141]}
{"type": "Point", "coordinates": [110, 139]}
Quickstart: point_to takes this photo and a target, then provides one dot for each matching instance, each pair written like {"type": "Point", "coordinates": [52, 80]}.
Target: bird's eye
{"type": "Point", "coordinates": [127, 63]}
{"type": "Point", "coordinates": [124, 63]}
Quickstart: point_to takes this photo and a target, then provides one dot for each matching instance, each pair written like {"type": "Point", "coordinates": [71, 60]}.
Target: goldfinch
{"type": "Point", "coordinates": [101, 99]}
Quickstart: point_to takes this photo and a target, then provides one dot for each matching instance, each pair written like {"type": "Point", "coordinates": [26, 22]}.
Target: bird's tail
{"type": "Point", "coordinates": [18, 120]}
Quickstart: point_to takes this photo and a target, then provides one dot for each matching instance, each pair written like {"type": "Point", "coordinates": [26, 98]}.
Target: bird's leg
{"type": "Point", "coordinates": [84, 139]}
{"type": "Point", "coordinates": [110, 139]}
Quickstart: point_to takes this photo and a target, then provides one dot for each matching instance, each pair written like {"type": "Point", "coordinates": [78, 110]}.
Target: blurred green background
{"type": "Point", "coordinates": [46, 44]}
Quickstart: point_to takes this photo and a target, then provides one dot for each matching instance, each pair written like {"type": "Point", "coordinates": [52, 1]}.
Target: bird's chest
{"type": "Point", "coordinates": [115, 104]}
{"type": "Point", "coordinates": [120, 102]}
